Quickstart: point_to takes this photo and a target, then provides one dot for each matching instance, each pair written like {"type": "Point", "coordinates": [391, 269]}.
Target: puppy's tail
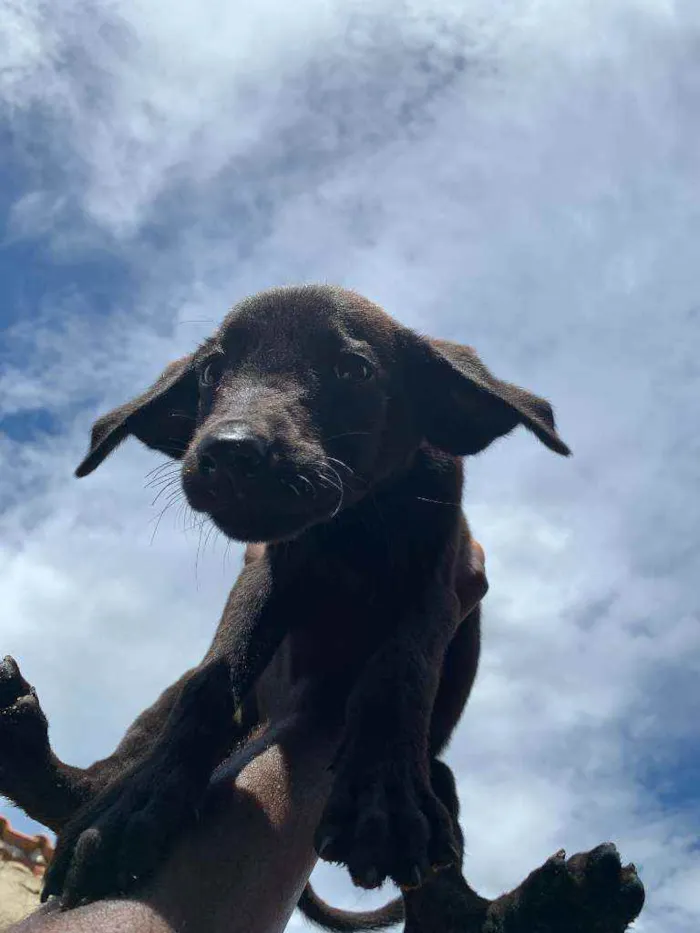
{"type": "Point", "coordinates": [343, 921]}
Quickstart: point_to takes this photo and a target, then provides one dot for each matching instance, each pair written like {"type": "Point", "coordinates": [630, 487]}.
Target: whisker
{"type": "Point", "coordinates": [227, 552]}
{"type": "Point", "coordinates": [174, 494]}
{"type": "Point", "coordinates": [341, 463]}
{"type": "Point", "coordinates": [185, 512]}
{"type": "Point", "coordinates": [163, 474]}
{"type": "Point", "coordinates": [172, 499]}
{"type": "Point", "coordinates": [202, 546]}
{"type": "Point", "coordinates": [327, 481]}
{"type": "Point", "coordinates": [158, 521]}
{"type": "Point", "coordinates": [437, 501]}
{"type": "Point", "coordinates": [161, 466]}
{"type": "Point", "coordinates": [341, 498]}
{"type": "Point", "coordinates": [349, 469]}
{"type": "Point", "coordinates": [195, 523]}
{"type": "Point", "coordinates": [182, 513]}
{"type": "Point", "coordinates": [164, 484]}
{"type": "Point", "coordinates": [211, 531]}
{"type": "Point", "coordinates": [196, 560]}
{"type": "Point", "coordinates": [171, 485]}
{"type": "Point", "coordinates": [305, 479]}
{"type": "Point", "coordinates": [166, 469]}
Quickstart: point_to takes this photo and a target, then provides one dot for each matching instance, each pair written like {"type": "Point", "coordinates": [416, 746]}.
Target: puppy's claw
{"type": "Point", "coordinates": [445, 863]}
{"type": "Point", "coordinates": [416, 880]}
{"type": "Point", "coordinates": [11, 681]}
{"type": "Point", "coordinates": [370, 879]}
{"type": "Point", "coordinates": [10, 665]}
{"type": "Point", "coordinates": [47, 891]}
{"type": "Point", "coordinates": [324, 845]}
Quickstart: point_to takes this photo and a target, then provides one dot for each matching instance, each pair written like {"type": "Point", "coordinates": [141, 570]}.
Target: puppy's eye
{"type": "Point", "coordinates": [210, 373]}
{"type": "Point", "coordinates": [352, 367]}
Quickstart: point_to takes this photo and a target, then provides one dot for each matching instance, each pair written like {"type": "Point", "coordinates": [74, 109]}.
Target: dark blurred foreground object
{"type": "Point", "coordinates": [33, 852]}
{"type": "Point", "coordinates": [23, 860]}
{"type": "Point", "coordinates": [245, 865]}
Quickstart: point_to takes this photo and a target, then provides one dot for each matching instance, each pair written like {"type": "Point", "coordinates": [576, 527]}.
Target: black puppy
{"type": "Point", "coordinates": [313, 422]}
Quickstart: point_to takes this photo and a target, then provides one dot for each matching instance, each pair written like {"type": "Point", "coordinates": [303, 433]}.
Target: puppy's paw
{"type": "Point", "coordinates": [383, 820]}
{"type": "Point", "coordinates": [24, 734]}
{"type": "Point", "coordinates": [589, 893]}
{"type": "Point", "coordinates": [122, 835]}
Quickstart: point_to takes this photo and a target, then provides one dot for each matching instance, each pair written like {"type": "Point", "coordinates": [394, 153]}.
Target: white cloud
{"type": "Point", "coordinates": [540, 202]}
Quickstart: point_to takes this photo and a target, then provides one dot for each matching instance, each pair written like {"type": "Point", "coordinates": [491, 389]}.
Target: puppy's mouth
{"type": "Point", "coordinates": [265, 511]}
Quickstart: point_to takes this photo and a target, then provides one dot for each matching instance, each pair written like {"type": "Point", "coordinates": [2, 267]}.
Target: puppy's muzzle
{"type": "Point", "coordinates": [236, 452]}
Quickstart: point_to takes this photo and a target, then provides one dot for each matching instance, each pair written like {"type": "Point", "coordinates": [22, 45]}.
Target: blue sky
{"type": "Point", "coordinates": [523, 176]}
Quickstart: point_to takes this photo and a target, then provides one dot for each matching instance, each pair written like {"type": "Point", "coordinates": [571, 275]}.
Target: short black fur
{"type": "Point", "coordinates": [330, 437]}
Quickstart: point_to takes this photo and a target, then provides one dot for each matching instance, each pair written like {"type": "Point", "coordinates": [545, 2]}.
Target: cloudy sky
{"type": "Point", "coordinates": [525, 177]}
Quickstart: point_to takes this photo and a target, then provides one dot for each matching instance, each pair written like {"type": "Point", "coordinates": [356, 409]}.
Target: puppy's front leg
{"type": "Point", "coordinates": [383, 818]}
{"type": "Point", "coordinates": [31, 775]}
{"type": "Point", "coordinates": [126, 831]}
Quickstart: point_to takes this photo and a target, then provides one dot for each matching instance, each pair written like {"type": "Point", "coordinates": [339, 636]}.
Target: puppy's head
{"type": "Point", "coordinates": [303, 400]}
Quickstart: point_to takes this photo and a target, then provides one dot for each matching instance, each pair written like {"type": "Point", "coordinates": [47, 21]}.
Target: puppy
{"type": "Point", "coordinates": [313, 423]}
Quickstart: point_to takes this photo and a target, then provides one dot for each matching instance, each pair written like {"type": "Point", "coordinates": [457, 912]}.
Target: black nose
{"type": "Point", "coordinates": [239, 452]}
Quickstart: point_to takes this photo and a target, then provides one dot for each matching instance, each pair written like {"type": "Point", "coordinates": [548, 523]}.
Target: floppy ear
{"type": "Point", "coordinates": [463, 408]}
{"type": "Point", "coordinates": [163, 417]}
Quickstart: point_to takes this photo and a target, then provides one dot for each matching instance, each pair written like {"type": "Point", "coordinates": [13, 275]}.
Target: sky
{"type": "Point", "coordinates": [521, 176]}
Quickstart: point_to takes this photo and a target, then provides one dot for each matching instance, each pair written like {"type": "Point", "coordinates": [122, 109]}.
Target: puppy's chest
{"type": "Point", "coordinates": [340, 616]}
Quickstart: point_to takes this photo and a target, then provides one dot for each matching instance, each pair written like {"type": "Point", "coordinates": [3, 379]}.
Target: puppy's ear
{"type": "Point", "coordinates": [462, 407]}
{"type": "Point", "coordinates": [163, 417]}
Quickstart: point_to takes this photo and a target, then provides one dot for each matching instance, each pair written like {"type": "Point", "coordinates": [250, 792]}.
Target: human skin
{"type": "Point", "coordinates": [243, 867]}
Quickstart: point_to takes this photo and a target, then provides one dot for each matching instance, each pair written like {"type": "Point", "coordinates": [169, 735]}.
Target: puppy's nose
{"type": "Point", "coordinates": [238, 451]}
